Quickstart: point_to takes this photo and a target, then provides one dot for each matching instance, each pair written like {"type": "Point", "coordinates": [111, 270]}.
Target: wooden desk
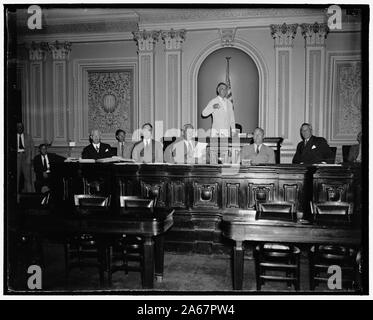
{"type": "Point", "coordinates": [150, 226]}
{"type": "Point", "coordinates": [241, 226]}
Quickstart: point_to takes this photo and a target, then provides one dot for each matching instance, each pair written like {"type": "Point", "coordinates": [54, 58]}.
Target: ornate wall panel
{"type": "Point", "coordinates": [110, 100]}
{"type": "Point", "coordinates": [344, 115]}
{"type": "Point", "coordinates": [105, 97]}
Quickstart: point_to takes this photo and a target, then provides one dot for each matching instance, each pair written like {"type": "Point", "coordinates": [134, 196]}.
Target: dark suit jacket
{"type": "Point", "coordinates": [316, 151]}
{"type": "Point", "coordinates": [38, 163]}
{"type": "Point", "coordinates": [148, 155]}
{"type": "Point", "coordinates": [89, 152]}
{"type": "Point", "coordinates": [353, 153]}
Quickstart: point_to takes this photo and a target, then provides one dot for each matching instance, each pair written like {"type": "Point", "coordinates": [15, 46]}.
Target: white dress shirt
{"type": "Point", "coordinates": [23, 142]}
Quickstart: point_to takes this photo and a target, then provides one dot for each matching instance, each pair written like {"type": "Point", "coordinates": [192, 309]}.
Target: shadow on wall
{"type": "Point", "coordinates": [244, 79]}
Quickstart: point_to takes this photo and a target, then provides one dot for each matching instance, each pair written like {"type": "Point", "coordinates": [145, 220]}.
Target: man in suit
{"type": "Point", "coordinates": [258, 152]}
{"type": "Point", "coordinates": [354, 154]}
{"type": "Point", "coordinates": [96, 149]}
{"type": "Point", "coordinates": [25, 154]}
{"type": "Point", "coordinates": [222, 113]}
{"type": "Point", "coordinates": [312, 149]}
{"type": "Point", "coordinates": [123, 148]}
{"type": "Point", "coordinates": [148, 150]}
{"type": "Point", "coordinates": [186, 150]}
{"type": "Point", "coordinates": [43, 166]}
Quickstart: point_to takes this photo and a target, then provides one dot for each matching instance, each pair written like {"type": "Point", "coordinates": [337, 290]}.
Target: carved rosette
{"type": "Point", "coordinates": [173, 39]}
{"type": "Point", "coordinates": [284, 34]}
{"type": "Point", "coordinates": [146, 39]}
{"type": "Point", "coordinates": [227, 36]}
{"type": "Point", "coordinates": [315, 34]}
{"type": "Point", "coordinates": [60, 50]}
{"type": "Point", "coordinates": [37, 51]}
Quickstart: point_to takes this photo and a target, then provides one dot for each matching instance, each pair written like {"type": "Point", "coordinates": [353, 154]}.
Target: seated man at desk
{"type": "Point", "coordinates": [258, 152]}
{"type": "Point", "coordinates": [186, 150]}
{"type": "Point", "coordinates": [312, 149]}
{"type": "Point", "coordinates": [43, 165]}
{"type": "Point", "coordinates": [148, 150]}
{"type": "Point", "coordinates": [124, 148]}
{"type": "Point", "coordinates": [96, 149]}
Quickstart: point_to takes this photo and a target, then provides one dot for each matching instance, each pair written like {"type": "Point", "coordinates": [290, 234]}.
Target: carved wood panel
{"type": "Point", "coordinates": [333, 192]}
{"type": "Point", "coordinates": [126, 187]}
{"type": "Point", "coordinates": [177, 193]}
{"type": "Point", "coordinates": [260, 193]}
{"type": "Point", "coordinates": [205, 195]}
{"type": "Point", "coordinates": [154, 189]}
{"type": "Point", "coordinates": [231, 195]}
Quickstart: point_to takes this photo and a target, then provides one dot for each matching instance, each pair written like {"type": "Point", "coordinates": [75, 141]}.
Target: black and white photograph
{"type": "Point", "coordinates": [186, 149]}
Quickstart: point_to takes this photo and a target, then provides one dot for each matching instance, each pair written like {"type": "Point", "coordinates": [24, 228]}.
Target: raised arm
{"type": "Point", "coordinates": [210, 108]}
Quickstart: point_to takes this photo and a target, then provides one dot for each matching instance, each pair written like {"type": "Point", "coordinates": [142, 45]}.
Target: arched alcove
{"type": "Point", "coordinates": [244, 81]}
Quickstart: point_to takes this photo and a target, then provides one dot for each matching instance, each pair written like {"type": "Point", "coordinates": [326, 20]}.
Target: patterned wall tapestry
{"type": "Point", "coordinates": [110, 100]}
{"type": "Point", "coordinates": [347, 99]}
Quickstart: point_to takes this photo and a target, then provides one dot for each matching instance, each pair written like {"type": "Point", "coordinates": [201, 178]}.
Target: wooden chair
{"type": "Point", "coordinates": [334, 153]}
{"type": "Point", "coordinates": [86, 250]}
{"type": "Point", "coordinates": [345, 152]}
{"type": "Point", "coordinates": [125, 254]}
{"type": "Point", "coordinates": [321, 257]}
{"type": "Point", "coordinates": [282, 260]}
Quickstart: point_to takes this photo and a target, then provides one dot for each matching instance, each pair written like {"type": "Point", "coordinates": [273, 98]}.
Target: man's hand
{"type": "Point", "coordinates": [216, 106]}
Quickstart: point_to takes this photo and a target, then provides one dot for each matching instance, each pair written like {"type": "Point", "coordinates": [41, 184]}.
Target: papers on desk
{"type": "Point", "coordinates": [114, 159]}
{"type": "Point", "coordinates": [86, 160]}
{"type": "Point", "coordinates": [71, 159]}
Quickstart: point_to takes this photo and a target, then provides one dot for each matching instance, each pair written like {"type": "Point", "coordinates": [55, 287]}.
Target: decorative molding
{"type": "Point", "coordinates": [173, 39]}
{"type": "Point", "coordinates": [37, 51]}
{"type": "Point", "coordinates": [60, 50]}
{"type": "Point", "coordinates": [227, 36]}
{"type": "Point", "coordinates": [36, 101]}
{"type": "Point", "coordinates": [78, 37]}
{"type": "Point", "coordinates": [146, 39]}
{"type": "Point", "coordinates": [59, 103]}
{"type": "Point", "coordinates": [315, 34]}
{"type": "Point", "coordinates": [343, 116]}
{"type": "Point", "coordinates": [283, 34]}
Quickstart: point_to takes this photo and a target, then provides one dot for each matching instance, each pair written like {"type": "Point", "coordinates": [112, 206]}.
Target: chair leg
{"type": "Point", "coordinates": [312, 272]}
{"type": "Point", "coordinates": [257, 271]}
{"type": "Point", "coordinates": [297, 274]}
{"type": "Point", "coordinates": [109, 271]}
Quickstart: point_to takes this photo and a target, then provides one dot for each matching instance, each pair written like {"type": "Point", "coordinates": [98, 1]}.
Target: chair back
{"type": "Point", "coordinates": [345, 152]}
{"type": "Point", "coordinates": [88, 200]}
{"type": "Point", "coordinates": [279, 210]}
{"type": "Point", "coordinates": [332, 212]}
{"type": "Point", "coordinates": [135, 202]}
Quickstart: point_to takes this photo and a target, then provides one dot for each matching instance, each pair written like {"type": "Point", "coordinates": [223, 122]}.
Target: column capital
{"type": "Point", "coordinates": [315, 34]}
{"type": "Point", "coordinates": [227, 36]}
{"type": "Point", "coordinates": [284, 34]}
{"type": "Point", "coordinates": [60, 50]}
{"type": "Point", "coordinates": [173, 39]}
{"type": "Point", "coordinates": [37, 51]}
{"type": "Point", "coordinates": [146, 39]}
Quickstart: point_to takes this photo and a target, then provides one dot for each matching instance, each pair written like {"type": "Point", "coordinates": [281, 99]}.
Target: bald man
{"type": "Point", "coordinates": [96, 149]}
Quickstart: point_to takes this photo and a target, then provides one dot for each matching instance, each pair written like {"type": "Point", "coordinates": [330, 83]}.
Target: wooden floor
{"type": "Point", "coordinates": [183, 273]}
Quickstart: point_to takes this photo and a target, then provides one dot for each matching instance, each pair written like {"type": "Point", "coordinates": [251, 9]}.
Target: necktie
{"type": "Point", "coordinates": [20, 143]}
{"type": "Point", "coordinates": [190, 149]}
{"type": "Point", "coordinates": [122, 149]}
{"type": "Point", "coordinates": [97, 149]}
{"type": "Point", "coordinates": [45, 168]}
{"type": "Point", "coordinates": [257, 149]}
{"type": "Point", "coordinates": [305, 142]}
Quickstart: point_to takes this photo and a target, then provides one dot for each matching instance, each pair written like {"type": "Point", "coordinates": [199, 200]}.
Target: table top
{"type": "Point", "coordinates": [241, 225]}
